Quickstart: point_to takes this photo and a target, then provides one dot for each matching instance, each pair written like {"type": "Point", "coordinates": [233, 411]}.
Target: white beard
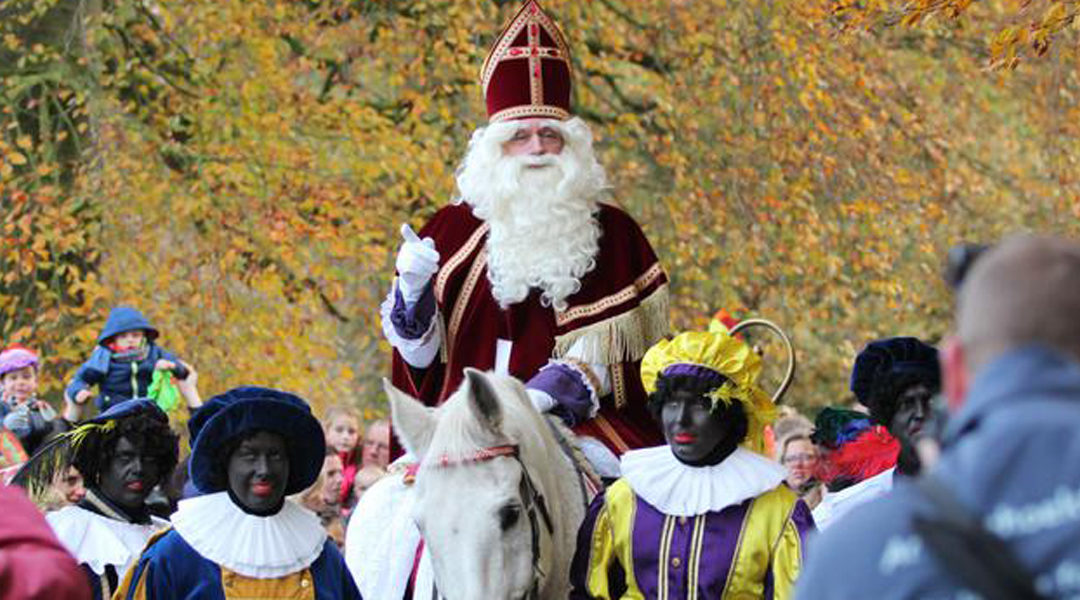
{"type": "Point", "coordinates": [544, 233]}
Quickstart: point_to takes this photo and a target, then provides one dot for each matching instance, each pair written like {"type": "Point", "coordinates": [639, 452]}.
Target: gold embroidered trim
{"type": "Point", "coordinates": [530, 13]}
{"type": "Point", "coordinates": [665, 557]}
{"type": "Point", "coordinates": [444, 352]}
{"type": "Point", "coordinates": [534, 110]}
{"type": "Point", "coordinates": [623, 337]}
{"type": "Point", "coordinates": [536, 82]}
{"type": "Point", "coordinates": [455, 261]}
{"type": "Point", "coordinates": [611, 434]}
{"type": "Point", "coordinates": [695, 556]}
{"type": "Point", "coordinates": [618, 384]}
{"type": "Point", "coordinates": [459, 308]}
{"type": "Point", "coordinates": [627, 293]}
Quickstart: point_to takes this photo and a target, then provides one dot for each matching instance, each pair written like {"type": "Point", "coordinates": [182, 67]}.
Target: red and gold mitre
{"type": "Point", "coordinates": [527, 73]}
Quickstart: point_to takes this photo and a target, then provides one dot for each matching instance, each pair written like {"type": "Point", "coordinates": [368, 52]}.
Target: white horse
{"type": "Point", "coordinates": [496, 500]}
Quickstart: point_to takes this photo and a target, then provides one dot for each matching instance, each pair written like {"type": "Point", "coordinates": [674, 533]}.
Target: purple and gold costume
{"type": "Point", "coordinates": [686, 526]}
{"type": "Point", "coordinates": [628, 549]}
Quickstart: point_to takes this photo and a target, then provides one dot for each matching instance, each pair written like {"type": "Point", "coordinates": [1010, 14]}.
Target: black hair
{"type": "Point", "coordinates": [884, 398]}
{"type": "Point", "coordinates": [668, 386]}
{"type": "Point", "coordinates": [149, 432]}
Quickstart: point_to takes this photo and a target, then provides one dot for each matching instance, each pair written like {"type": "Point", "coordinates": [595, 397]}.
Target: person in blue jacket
{"type": "Point", "coordinates": [122, 365]}
{"type": "Point", "coordinates": [998, 514]}
{"type": "Point", "coordinates": [243, 538]}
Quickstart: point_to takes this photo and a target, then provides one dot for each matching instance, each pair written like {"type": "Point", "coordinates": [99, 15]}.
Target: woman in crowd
{"type": "Point", "coordinates": [800, 457]}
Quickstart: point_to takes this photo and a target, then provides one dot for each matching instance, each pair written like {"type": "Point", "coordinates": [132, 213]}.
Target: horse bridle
{"type": "Point", "coordinates": [532, 501]}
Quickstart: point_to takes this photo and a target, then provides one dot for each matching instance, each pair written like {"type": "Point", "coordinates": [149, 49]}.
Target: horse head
{"type": "Point", "coordinates": [496, 501]}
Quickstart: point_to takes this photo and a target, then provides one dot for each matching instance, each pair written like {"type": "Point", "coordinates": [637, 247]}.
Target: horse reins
{"type": "Point", "coordinates": [532, 500]}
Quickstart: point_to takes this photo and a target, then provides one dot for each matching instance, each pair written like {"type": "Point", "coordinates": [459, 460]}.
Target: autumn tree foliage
{"type": "Point", "coordinates": [239, 170]}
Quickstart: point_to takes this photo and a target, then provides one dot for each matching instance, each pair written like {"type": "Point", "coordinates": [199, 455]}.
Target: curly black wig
{"type": "Point", "coordinates": [886, 368]}
{"type": "Point", "coordinates": [148, 431]}
{"type": "Point", "coordinates": [883, 400]}
{"type": "Point", "coordinates": [667, 386]}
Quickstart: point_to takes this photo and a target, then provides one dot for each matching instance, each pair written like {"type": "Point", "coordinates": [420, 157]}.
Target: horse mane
{"type": "Point", "coordinates": [460, 434]}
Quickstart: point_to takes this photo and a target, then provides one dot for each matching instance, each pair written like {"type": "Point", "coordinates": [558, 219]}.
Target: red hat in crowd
{"type": "Point", "coordinates": [527, 73]}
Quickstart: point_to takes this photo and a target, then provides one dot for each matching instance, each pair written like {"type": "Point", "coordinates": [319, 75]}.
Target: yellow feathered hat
{"type": "Point", "coordinates": [716, 351]}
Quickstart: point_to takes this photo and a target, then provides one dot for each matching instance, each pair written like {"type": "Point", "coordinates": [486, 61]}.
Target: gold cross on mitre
{"type": "Point", "coordinates": [518, 57]}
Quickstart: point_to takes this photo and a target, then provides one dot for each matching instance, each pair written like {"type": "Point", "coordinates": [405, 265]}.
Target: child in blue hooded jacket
{"type": "Point", "coordinates": [123, 363]}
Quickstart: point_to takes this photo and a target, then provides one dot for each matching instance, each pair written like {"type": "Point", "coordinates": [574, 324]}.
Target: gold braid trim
{"type": "Point", "coordinates": [618, 384]}
{"type": "Point", "coordinates": [624, 337]}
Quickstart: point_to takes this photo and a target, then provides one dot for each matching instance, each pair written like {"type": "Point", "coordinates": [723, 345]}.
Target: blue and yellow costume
{"type": "Point", "coordinates": [667, 529]}
{"type": "Point", "coordinates": [218, 551]}
{"type": "Point", "coordinates": [171, 568]}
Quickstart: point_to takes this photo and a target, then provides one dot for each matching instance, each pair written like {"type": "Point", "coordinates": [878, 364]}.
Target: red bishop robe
{"type": "Point", "coordinates": [621, 310]}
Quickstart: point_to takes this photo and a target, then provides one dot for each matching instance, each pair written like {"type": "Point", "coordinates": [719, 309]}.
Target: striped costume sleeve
{"type": "Point", "coordinates": [603, 563]}
{"type": "Point", "coordinates": [144, 581]}
{"type": "Point", "coordinates": [594, 554]}
{"type": "Point", "coordinates": [788, 557]}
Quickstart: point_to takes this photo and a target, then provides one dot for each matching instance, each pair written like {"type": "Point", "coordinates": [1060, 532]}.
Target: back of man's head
{"type": "Point", "coordinates": [1024, 291]}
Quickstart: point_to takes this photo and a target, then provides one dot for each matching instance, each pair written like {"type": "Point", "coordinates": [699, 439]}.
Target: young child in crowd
{"type": "Point", "coordinates": [365, 478]}
{"type": "Point", "coordinates": [122, 365]}
{"type": "Point", "coordinates": [322, 498]}
{"type": "Point", "coordinates": [342, 427]}
{"type": "Point", "coordinates": [30, 419]}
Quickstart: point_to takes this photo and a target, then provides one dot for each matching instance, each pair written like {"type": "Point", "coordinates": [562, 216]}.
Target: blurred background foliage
{"type": "Point", "coordinates": [239, 170]}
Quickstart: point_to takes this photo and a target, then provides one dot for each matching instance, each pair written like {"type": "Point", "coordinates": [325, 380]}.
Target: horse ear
{"type": "Point", "coordinates": [413, 423]}
{"type": "Point", "coordinates": [483, 400]}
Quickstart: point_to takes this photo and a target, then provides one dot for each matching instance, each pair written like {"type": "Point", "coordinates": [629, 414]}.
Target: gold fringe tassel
{"type": "Point", "coordinates": [624, 337]}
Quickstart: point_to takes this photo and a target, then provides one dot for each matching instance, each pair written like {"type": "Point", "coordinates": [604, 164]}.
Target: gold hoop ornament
{"type": "Point", "coordinates": [778, 395]}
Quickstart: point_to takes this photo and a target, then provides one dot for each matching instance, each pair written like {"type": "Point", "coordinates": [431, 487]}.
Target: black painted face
{"type": "Point", "coordinates": [259, 471]}
{"type": "Point", "coordinates": [129, 476]}
{"type": "Point", "coordinates": [691, 427]}
{"type": "Point", "coordinates": [912, 412]}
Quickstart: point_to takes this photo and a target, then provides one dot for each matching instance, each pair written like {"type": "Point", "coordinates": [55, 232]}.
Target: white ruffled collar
{"type": "Point", "coordinates": [99, 541]}
{"type": "Point", "coordinates": [253, 546]}
{"type": "Point", "coordinates": [680, 490]}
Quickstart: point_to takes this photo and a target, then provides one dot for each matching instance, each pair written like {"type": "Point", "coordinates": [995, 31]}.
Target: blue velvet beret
{"type": "Point", "coordinates": [245, 410]}
{"type": "Point", "coordinates": [129, 408]}
{"type": "Point", "coordinates": [887, 358]}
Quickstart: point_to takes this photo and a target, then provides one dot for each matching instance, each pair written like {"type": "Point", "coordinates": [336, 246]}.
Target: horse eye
{"type": "Point", "coordinates": [508, 516]}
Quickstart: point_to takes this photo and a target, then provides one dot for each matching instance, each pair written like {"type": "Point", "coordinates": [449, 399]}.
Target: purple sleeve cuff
{"type": "Point", "coordinates": [412, 322]}
{"type": "Point", "coordinates": [568, 388]}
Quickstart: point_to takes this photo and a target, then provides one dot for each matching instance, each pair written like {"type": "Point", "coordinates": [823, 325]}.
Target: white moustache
{"type": "Point", "coordinates": [538, 162]}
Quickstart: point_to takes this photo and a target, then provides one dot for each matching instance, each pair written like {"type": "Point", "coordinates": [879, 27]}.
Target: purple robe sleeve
{"type": "Point", "coordinates": [412, 321]}
{"type": "Point", "coordinates": [412, 328]}
{"type": "Point", "coordinates": [583, 559]}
